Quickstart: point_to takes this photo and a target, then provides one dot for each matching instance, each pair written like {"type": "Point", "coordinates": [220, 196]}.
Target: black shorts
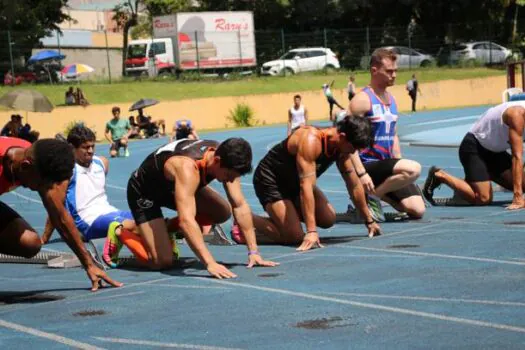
{"type": "Point", "coordinates": [351, 96]}
{"type": "Point", "coordinates": [7, 215]}
{"type": "Point", "coordinates": [479, 163]}
{"type": "Point", "coordinates": [381, 170]}
{"type": "Point", "coordinates": [269, 190]}
{"type": "Point", "coordinates": [116, 145]}
{"type": "Point", "coordinates": [143, 207]}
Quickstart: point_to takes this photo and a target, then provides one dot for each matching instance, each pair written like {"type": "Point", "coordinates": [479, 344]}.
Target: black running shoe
{"type": "Point", "coordinates": [431, 183]}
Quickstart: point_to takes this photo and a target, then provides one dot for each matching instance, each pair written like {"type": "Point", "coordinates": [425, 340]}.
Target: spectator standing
{"type": "Point", "coordinates": [413, 89]}
{"type": "Point", "coordinates": [351, 87]}
{"type": "Point", "coordinates": [117, 133]}
{"type": "Point", "coordinates": [330, 98]}
{"type": "Point", "coordinates": [297, 115]}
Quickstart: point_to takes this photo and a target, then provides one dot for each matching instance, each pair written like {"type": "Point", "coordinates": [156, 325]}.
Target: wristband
{"type": "Point", "coordinates": [253, 252]}
{"type": "Point", "coordinates": [311, 231]}
{"type": "Point", "coordinates": [368, 223]}
{"type": "Point", "coordinates": [362, 174]}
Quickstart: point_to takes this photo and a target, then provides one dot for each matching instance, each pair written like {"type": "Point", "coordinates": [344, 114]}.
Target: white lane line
{"type": "Point", "coordinates": [50, 336]}
{"type": "Point", "coordinates": [443, 121]}
{"type": "Point", "coordinates": [108, 297]}
{"type": "Point", "coordinates": [436, 255]}
{"type": "Point", "coordinates": [14, 193]}
{"type": "Point", "coordinates": [397, 310]}
{"type": "Point", "coordinates": [116, 187]}
{"type": "Point", "coordinates": [189, 286]}
{"type": "Point", "coordinates": [449, 300]}
{"type": "Point", "coordinates": [160, 344]}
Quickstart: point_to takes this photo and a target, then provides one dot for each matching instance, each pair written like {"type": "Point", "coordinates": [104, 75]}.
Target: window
{"type": "Point", "coordinates": [403, 51]}
{"type": "Point", "coordinates": [137, 51]}
{"type": "Point", "coordinates": [495, 47]}
{"type": "Point", "coordinates": [158, 48]}
{"type": "Point", "coordinates": [481, 46]}
{"type": "Point", "coordinates": [316, 53]}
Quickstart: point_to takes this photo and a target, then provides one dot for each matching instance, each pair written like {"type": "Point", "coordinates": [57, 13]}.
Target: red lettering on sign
{"type": "Point", "coordinates": [160, 25]}
{"type": "Point", "coordinates": [223, 24]}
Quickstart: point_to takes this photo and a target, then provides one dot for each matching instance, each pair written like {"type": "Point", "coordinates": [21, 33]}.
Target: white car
{"type": "Point", "coordinates": [480, 51]}
{"type": "Point", "coordinates": [406, 58]}
{"type": "Point", "coordinates": [302, 60]}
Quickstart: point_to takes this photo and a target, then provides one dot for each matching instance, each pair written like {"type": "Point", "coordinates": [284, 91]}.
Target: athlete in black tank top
{"type": "Point", "coordinates": [176, 176]}
{"type": "Point", "coordinates": [285, 181]}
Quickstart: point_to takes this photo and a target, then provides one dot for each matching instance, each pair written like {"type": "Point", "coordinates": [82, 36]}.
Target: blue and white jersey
{"type": "Point", "coordinates": [86, 198]}
{"type": "Point", "coordinates": [384, 119]}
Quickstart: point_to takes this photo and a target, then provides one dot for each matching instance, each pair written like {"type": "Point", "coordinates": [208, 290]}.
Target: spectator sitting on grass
{"type": "Point", "coordinates": [135, 130]}
{"type": "Point", "coordinates": [70, 96]}
{"type": "Point", "coordinates": [12, 127]}
{"type": "Point", "coordinates": [81, 98]}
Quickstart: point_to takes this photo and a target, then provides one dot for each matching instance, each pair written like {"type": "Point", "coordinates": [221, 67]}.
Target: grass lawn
{"type": "Point", "coordinates": [128, 91]}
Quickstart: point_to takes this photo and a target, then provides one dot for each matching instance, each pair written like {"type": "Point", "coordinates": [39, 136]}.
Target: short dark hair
{"type": "Point", "coordinates": [297, 96]}
{"type": "Point", "coordinates": [235, 154]}
{"type": "Point", "coordinates": [115, 109]}
{"type": "Point", "coordinates": [381, 53]}
{"type": "Point", "coordinates": [80, 134]}
{"type": "Point", "coordinates": [358, 130]}
{"type": "Point", "coordinates": [53, 159]}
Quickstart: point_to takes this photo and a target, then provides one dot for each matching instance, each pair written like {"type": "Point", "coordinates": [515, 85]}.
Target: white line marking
{"type": "Point", "coordinates": [108, 297]}
{"type": "Point", "coordinates": [436, 255]}
{"type": "Point", "coordinates": [159, 344]}
{"type": "Point", "coordinates": [189, 286]}
{"type": "Point", "coordinates": [442, 121]}
{"type": "Point", "coordinates": [14, 193]}
{"type": "Point", "coordinates": [50, 336]}
{"type": "Point", "coordinates": [116, 187]}
{"type": "Point", "coordinates": [374, 306]}
{"type": "Point", "coordinates": [451, 300]}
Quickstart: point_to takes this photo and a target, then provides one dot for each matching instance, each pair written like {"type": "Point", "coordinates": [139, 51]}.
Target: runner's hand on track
{"type": "Point", "coordinates": [368, 184]}
{"type": "Point", "coordinates": [517, 203]}
{"type": "Point", "coordinates": [310, 240]}
{"type": "Point", "coordinates": [219, 271]}
{"type": "Point", "coordinates": [96, 275]}
{"type": "Point", "coordinates": [257, 260]}
{"type": "Point", "coordinates": [373, 229]}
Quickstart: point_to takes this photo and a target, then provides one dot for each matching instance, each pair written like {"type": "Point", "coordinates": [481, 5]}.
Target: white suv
{"type": "Point", "coordinates": [482, 51]}
{"type": "Point", "coordinates": [302, 60]}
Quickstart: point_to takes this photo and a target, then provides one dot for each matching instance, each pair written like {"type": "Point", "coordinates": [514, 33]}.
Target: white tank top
{"type": "Point", "coordinates": [297, 116]}
{"type": "Point", "coordinates": [490, 130]}
{"type": "Point", "coordinates": [86, 198]}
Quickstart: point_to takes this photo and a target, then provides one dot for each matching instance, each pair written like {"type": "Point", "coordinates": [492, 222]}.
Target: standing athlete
{"type": "Point", "coordinates": [297, 115]}
{"type": "Point", "coordinates": [381, 168]}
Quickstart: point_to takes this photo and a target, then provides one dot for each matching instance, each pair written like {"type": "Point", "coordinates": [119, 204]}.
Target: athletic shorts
{"type": "Point", "coordinates": [381, 170]}
{"type": "Point", "coordinates": [269, 190]}
{"type": "Point", "coordinates": [143, 207]}
{"type": "Point", "coordinates": [351, 96]}
{"type": "Point", "coordinates": [99, 227]}
{"type": "Point", "coordinates": [7, 215]}
{"type": "Point", "coordinates": [331, 100]}
{"type": "Point", "coordinates": [479, 163]}
{"type": "Point", "coordinates": [116, 145]}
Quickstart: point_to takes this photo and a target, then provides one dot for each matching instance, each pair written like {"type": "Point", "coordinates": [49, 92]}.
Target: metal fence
{"type": "Point", "coordinates": [203, 52]}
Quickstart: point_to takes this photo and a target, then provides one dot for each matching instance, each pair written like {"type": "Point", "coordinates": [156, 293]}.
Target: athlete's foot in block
{"type": "Point", "coordinates": [431, 183]}
{"type": "Point", "coordinates": [237, 235]}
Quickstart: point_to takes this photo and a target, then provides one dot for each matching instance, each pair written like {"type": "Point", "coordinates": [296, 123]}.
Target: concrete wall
{"type": "Point", "coordinates": [209, 113]}
{"type": "Point", "coordinates": [95, 57]}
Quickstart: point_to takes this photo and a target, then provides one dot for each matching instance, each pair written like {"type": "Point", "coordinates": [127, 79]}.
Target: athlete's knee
{"type": "Point", "coordinates": [483, 198]}
{"type": "Point", "coordinates": [327, 220]}
{"type": "Point", "coordinates": [161, 263]}
{"type": "Point", "coordinates": [31, 244]}
{"type": "Point", "coordinates": [113, 153]}
{"type": "Point", "coordinates": [416, 212]}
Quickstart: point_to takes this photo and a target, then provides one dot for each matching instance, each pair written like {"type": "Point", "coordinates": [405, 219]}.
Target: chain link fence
{"type": "Point", "coordinates": [246, 52]}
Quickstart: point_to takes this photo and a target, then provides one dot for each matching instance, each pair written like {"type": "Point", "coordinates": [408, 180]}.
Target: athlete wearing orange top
{"type": "Point", "coordinates": [45, 167]}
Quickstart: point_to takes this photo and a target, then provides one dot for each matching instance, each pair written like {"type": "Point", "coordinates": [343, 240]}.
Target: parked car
{"type": "Point", "coordinates": [302, 60]}
{"type": "Point", "coordinates": [479, 51]}
{"type": "Point", "coordinates": [406, 58]}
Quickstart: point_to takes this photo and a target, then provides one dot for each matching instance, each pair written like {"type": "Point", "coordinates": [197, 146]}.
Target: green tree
{"type": "Point", "coordinates": [29, 21]}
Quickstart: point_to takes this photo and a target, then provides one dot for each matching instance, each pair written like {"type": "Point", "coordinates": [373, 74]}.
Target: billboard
{"type": "Point", "coordinates": [209, 39]}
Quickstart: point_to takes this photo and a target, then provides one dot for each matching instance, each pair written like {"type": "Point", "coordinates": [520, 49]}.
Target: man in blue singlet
{"type": "Point", "coordinates": [381, 168]}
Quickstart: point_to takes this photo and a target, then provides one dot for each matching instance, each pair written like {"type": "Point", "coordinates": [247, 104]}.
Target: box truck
{"type": "Point", "coordinates": [207, 41]}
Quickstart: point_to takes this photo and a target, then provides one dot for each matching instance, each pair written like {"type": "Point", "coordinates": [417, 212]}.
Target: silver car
{"type": "Point", "coordinates": [406, 58]}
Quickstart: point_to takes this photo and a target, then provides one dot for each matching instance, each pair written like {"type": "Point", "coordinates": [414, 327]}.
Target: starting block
{"type": "Point", "coordinates": [64, 261]}
{"type": "Point", "coordinates": [353, 217]}
{"type": "Point", "coordinates": [218, 237]}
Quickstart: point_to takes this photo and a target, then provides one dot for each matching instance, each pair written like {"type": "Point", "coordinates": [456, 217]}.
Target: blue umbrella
{"type": "Point", "coordinates": [46, 55]}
